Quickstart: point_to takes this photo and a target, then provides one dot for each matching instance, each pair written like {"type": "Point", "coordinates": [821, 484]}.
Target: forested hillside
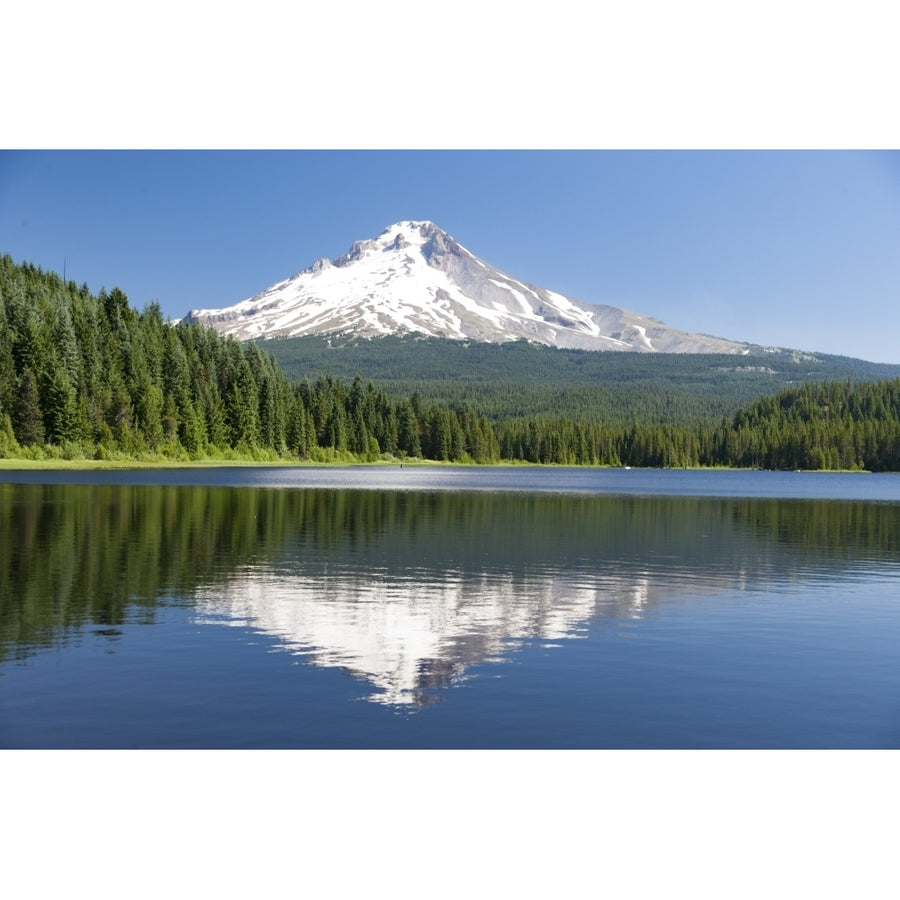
{"type": "Point", "coordinates": [524, 380]}
{"type": "Point", "coordinates": [817, 426]}
{"type": "Point", "coordinates": [84, 376]}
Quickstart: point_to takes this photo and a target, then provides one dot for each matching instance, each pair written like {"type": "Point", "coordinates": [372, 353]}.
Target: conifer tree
{"type": "Point", "coordinates": [27, 418]}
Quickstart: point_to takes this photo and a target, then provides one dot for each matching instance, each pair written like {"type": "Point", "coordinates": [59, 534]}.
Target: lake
{"type": "Point", "coordinates": [449, 607]}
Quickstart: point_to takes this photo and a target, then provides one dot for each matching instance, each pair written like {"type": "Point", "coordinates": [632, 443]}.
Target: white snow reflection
{"type": "Point", "coordinates": [409, 637]}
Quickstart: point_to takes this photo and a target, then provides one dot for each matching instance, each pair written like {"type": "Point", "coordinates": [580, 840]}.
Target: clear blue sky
{"type": "Point", "coordinates": [794, 248]}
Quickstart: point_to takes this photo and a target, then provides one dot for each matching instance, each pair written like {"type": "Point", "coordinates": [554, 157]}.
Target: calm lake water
{"type": "Point", "coordinates": [449, 607]}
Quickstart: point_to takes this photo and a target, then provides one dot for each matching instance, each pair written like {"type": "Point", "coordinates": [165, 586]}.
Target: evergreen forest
{"type": "Point", "coordinates": [86, 376]}
{"type": "Point", "coordinates": [520, 379]}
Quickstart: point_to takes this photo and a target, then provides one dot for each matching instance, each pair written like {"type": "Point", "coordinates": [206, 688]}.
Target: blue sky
{"type": "Point", "coordinates": [794, 248]}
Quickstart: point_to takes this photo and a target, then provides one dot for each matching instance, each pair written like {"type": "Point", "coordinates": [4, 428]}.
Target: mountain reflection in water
{"type": "Point", "coordinates": [408, 636]}
{"type": "Point", "coordinates": [407, 591]}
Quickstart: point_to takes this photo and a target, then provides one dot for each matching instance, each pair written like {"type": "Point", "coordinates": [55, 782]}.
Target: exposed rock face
{"type": "Point", "coordinates": [415, 278]}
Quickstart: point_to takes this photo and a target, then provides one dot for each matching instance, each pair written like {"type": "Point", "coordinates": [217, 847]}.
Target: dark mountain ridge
{"type": "Point", "coordinates": [522, 378]}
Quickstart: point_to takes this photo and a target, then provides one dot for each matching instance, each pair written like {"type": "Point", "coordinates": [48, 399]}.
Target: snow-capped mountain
{"type": "Point", "coordinates": [415, 278]}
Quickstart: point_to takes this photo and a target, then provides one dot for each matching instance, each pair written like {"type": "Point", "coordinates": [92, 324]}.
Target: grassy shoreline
{"type": "Point", "coordinates": [92, 464]}
{"type": "Point", "coordinates": [112, 464]}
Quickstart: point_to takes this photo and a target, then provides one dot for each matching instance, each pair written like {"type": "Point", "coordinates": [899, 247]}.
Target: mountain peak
{"type": "Point", "coordinates": [399, 236]}
{"type": "Point", "coordinates": [411, 228]}
{"type": "Point", "coordinates": [415, 278]}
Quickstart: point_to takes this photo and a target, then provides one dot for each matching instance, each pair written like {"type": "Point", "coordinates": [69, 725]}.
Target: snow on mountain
{"type": "Point", "coordinates": [415, 278]}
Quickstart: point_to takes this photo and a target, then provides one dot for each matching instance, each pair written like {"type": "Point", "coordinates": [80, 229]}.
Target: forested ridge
{"type": "Point", "coordinates": [84, 376]}
{"type": "Point", "coordinates": [520, 379]}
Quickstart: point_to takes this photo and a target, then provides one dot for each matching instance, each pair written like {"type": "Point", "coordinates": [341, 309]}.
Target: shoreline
{"type": "Point", "coordinates": [12, 465]}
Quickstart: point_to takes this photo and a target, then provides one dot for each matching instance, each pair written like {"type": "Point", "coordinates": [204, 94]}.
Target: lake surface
{"type": "Point", "coordinates": [449, 607]}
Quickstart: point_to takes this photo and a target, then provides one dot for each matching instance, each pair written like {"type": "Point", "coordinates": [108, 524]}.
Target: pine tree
{"type": "Point", "coordinates": [60, 405]}
{"type": "Point", "coordinates": [27, 418]}
{"type": "Point", "coordinates": [408, 442]}
{"type": "Point", "coordinates": [9, 446]}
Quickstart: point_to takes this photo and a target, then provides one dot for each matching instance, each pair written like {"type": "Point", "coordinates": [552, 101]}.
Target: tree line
{"type": "Point", "coordinates": [521, 379]}
{"type": "Point", "coordinates": [84, 376]}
